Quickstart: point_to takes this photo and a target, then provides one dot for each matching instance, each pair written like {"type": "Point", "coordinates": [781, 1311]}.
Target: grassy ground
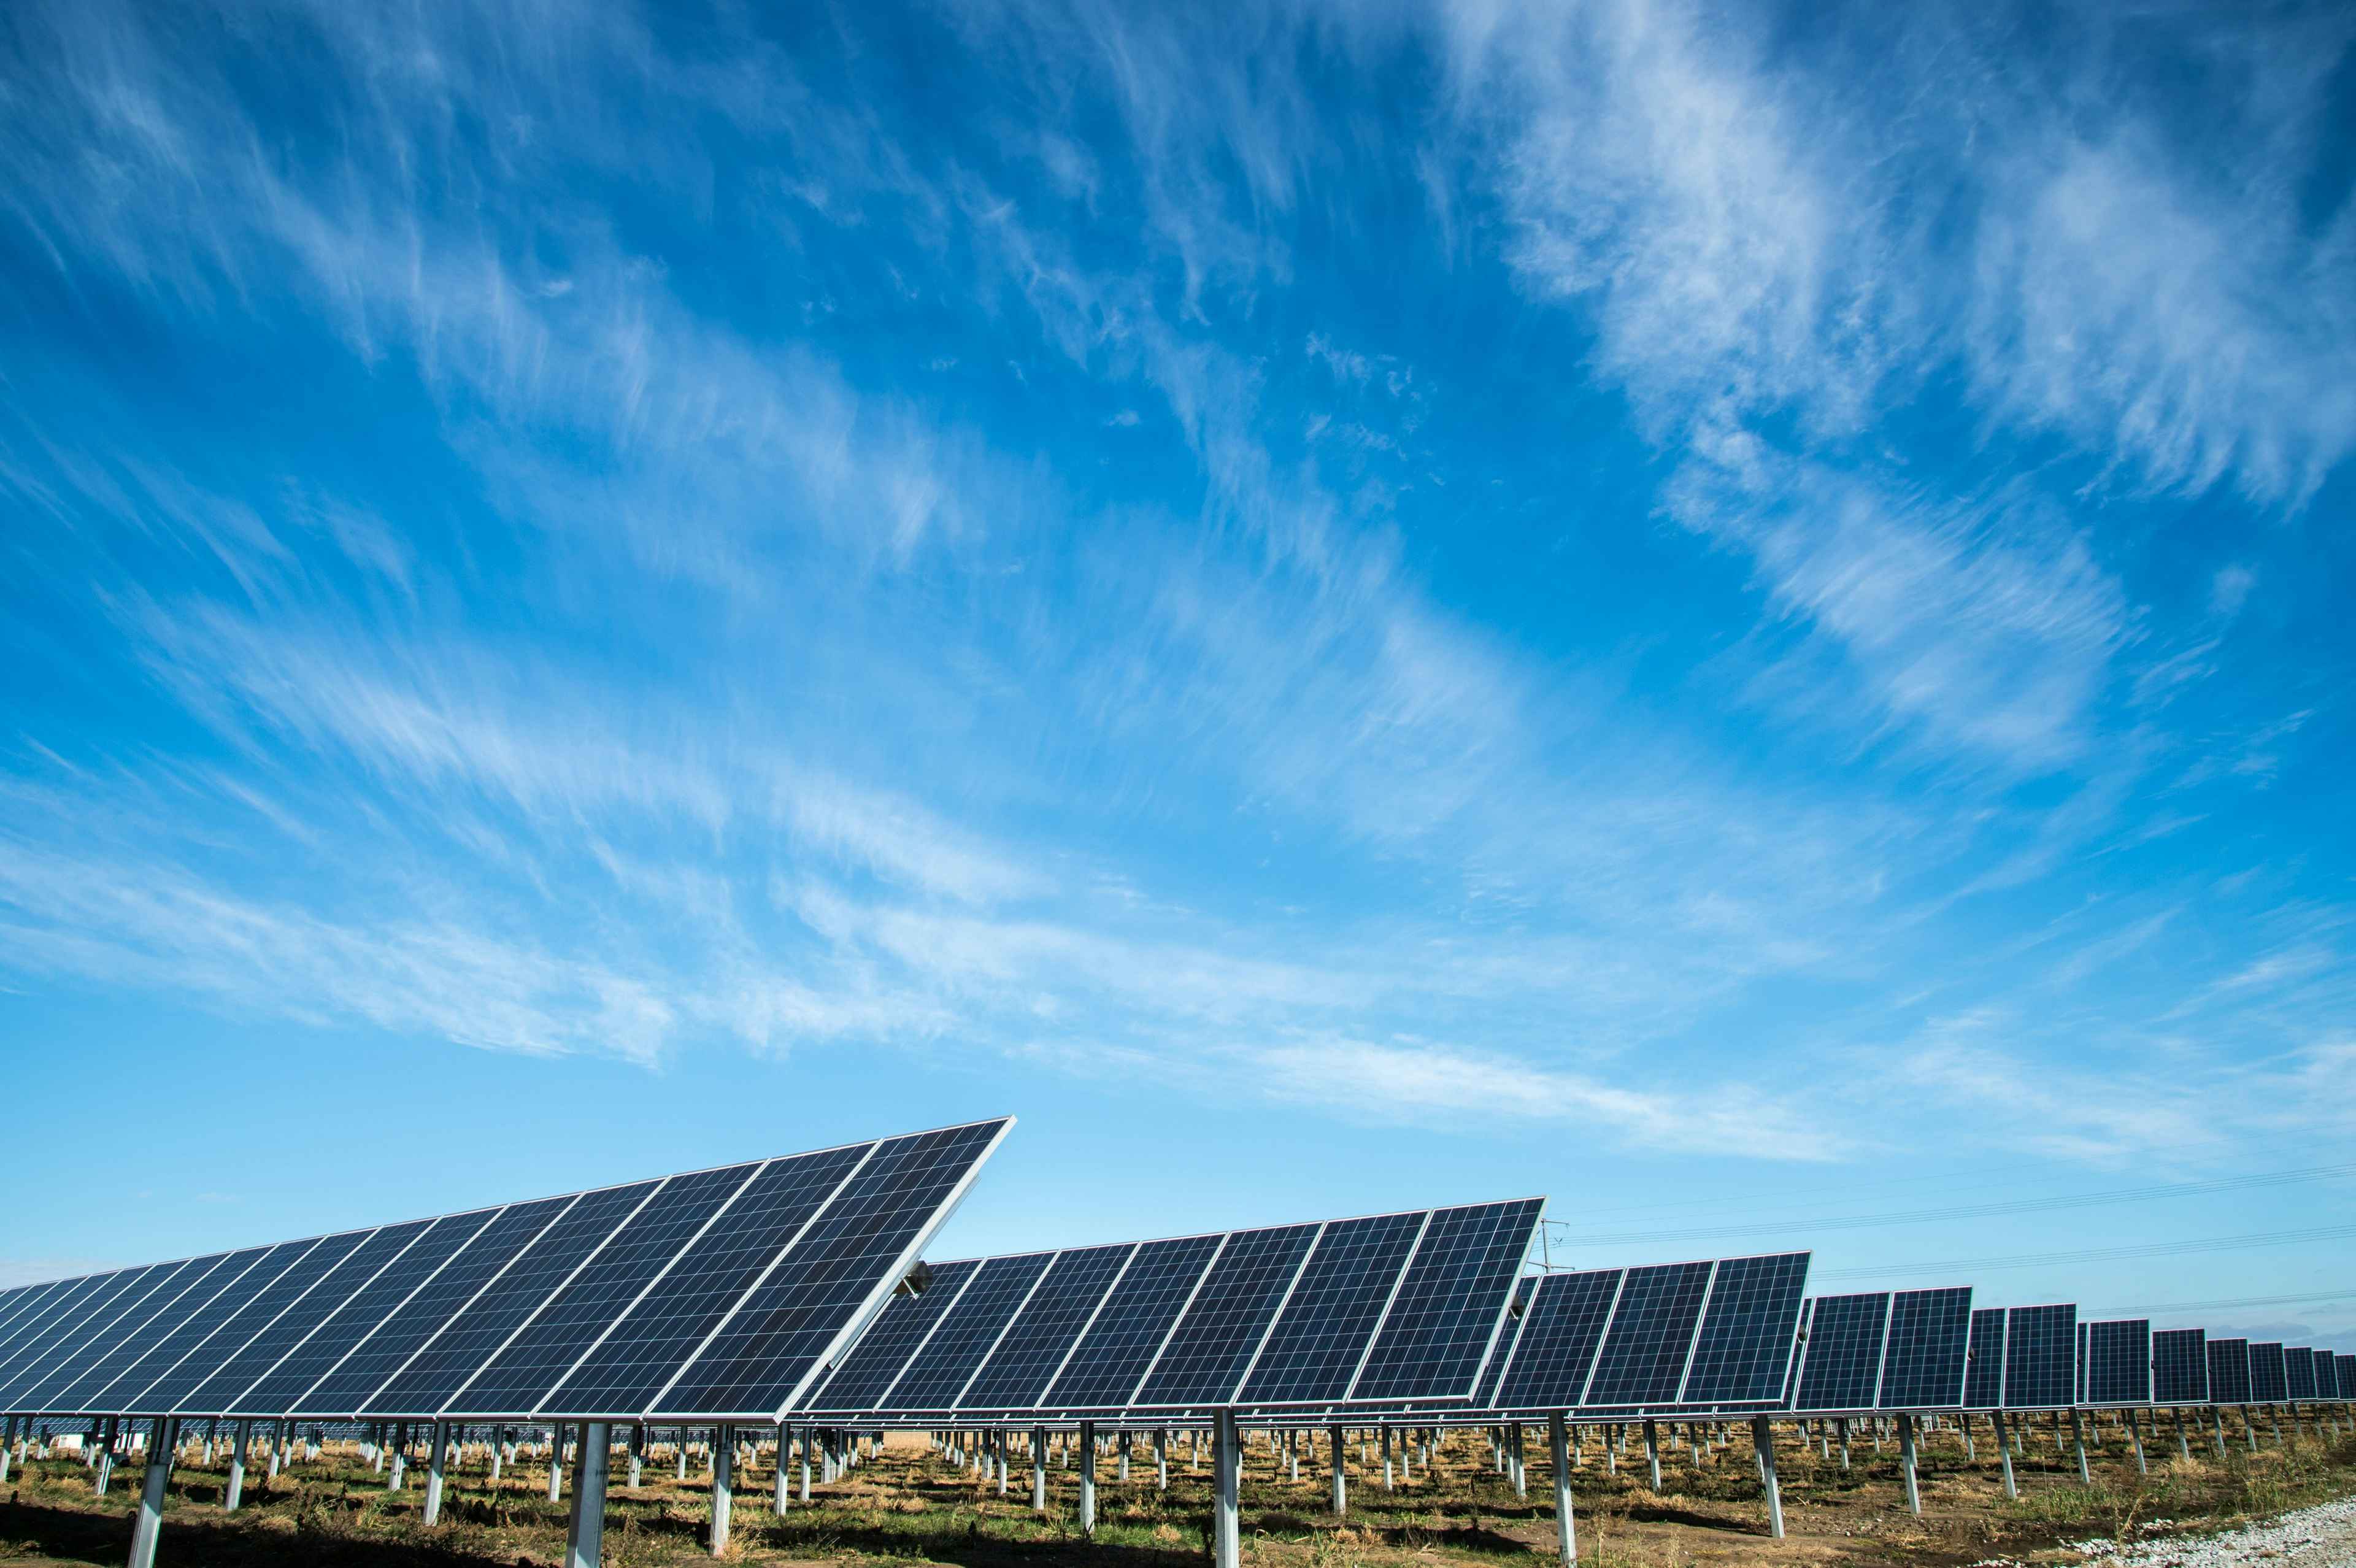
{"type": "Point", "coordinates": [908, 1506]}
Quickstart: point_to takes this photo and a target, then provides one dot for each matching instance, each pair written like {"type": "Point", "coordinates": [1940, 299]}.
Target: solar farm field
{"type": "Point", "coordinates": [909, 1502]}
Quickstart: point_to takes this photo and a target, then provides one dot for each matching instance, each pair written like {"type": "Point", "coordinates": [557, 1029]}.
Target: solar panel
{"type": "Point", "coordinates": [2298, 1372]}
{"type": "Point", "coordinates": [941, 1371]}
{"type": "Point", "coordinates": [1111, 1358]}
{"type": "Point", "coordinates": [1317, 1346]}
{"type": "Point", "coordinates": [2229, 1372]}
{"type": "Point", "coordinates": [2344, 1368]}
{"type": "Point", "coordinates": [2118, 1361]}
{"type": "Point", "coordinates": [2040, 1357]}
{"type": "Point", "coordinates": [1924, 1362]}
{"type": "Point", "coordinates": [1212, 1346]}
{"type": "Point", "coordinates": [2267, 1382]}
{"type": "Point", "coordinates": [2326, 1377]}
{"type": "Point", "coordinates": [649, 1341]}
{"type": "Point", "coordinates": [1748, 1332]}
{"type": "Point", "coordinates": [1840, 1368]}
{"type": "Point", "coordinates": [2179, 1367]}
{"type": "Point", "coordinates": [1561, 1329]}
{"type": "Point", "coordinates": [1651, 1337]}
{"type": "Point", "coordinates": [1449, 1306]}
{"type": "Point", "coordinates": [864, 1376]}
{"type": "Point", "coordinates": [1492, 1376]}
{"type": "Point", "coordinates": [1983, 1382]}
{"type": "Point", "coordinates": [864, 1241]}
{"type": "Point", "coordinates": [1791, 1373]}
{"type": "Point", "coordinates": [740, 1280]}
{"type": "Point", "coordinates": [1032, 1348]}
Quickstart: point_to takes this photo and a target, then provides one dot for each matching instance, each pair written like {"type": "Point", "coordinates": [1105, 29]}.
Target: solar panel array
{"type": "Point", "coordinates": [2269, 1380]}
{"type": "Point", "coordinates": [2229, 1372]}
{"type": "Point", "coordinates": [2041, 1370]}
{"type": "Point", "coordinates": [2118, 1361]}
{"type": "Point", "coordinates": [1884, 1350]}
{"type": "Point", "coordinates": [1387, 1309]}
{"type": "Point", "coordinates": [1668, 1337]}
{"type": "Point", "coordinates": [2179, 1367]}
{"type": "Point", "coordinates": [714, 1295]}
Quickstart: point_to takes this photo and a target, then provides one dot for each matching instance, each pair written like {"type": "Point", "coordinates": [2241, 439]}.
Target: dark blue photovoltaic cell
{"type": "Point", "coordinates": [855, 1250]}
{"type": "Point", "coordinates": [1215, 1339]}
{"type": "Point", "coordinates": [572, 1320]}
{"type": "Point", "coordinates": [2298, 1372]}
{"type": "Point", "coordinates": [1841, 1367]}
{"type": "Point", "coordinates": [2118, 1361]}
{"type": "Point", "coordinates": [1032, 1348]}
{"type": "Point", "coordinates": [1983, 1380]}
{"type": "Point", "coordinates": [68, 1312]}
{"type": "Point", "coordinates": [1930, 1333]}
{"type": "Point", "coordinates": [942, 1369]}
{"type": "Point", "coordinates": [431, 1246]}
{"type": "Point", "coordinates": [2344, 1367]}
{"type": "Point", "coordinates": [2268, 1384]}
{"type": "Point", "coordinates": [1331, 1317]}
{"type": "Point", "coordinates": [2041, 1358]}
{"type": "Point", "coordinates": [1555, 1351]}
{"type": "Point", "coordinates": [1450, 1304]}
{"type": "Point", "coordinates": [1652, 1334]}
{"type": "Point", "coordinates": [15, 1303]}
{"type": "Point", "coordinates": [83, 1332]}
{"type": "Point", "coordinates": [505, 1299]}
{"type": "Point", "coordinates": [233, 1332]}
{"type": "Point", "coordinates": [866, 1374]}
{"type": "Point", "coordinates": [385, 1350]}
{"type": "Point", "coordinates": [652, 1341]}
{"type": "Point", "coordinates": [1748, 1331]}
{"type": "Point", "coordinates": [246, 1367]}
{"type": "Point", "coordinates": [1492, 1376]}
{"type": "Point", "coordinates": [2179, 1367]}
{"type": "Point", "coordinates": [1112, 1356]}
{"type": "Point", "coordinates": [89, 1370]}
{"type": "Point", "coordinates": [2327, 1376]}
{"type": "Point", "coordinates": [168, 1349]}
{"type": "Point", "coordinates": [2229, 1372]}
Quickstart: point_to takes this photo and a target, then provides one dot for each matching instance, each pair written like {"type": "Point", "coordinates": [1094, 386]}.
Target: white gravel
{"type": "Point", "coordinates": [2319, 1537]}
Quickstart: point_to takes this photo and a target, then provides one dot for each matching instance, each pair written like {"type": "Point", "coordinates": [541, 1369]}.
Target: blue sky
{"type": "Point", "coordinates": [1736, 615]}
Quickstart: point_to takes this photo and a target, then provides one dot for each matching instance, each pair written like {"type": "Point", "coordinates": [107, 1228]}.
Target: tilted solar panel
{"type": "Point", "coordinates": [1492, 1376]}
{"type": "Point", "coordinates": [1031, 1350]}
{"type": "Point", "coordinates": [1749, 1331]}
{"type": "Point", "coordinates": [2298, 1372]}
{"type": "Point", "coordinates": [2118, 1361]}
{"type": "Point", "coordinates": [2179, 1366]}
{"type": "Point", "coordinates": [1923, 1363]}
{"type": "Point", "coordinates": [2344, 1368]}
{"type": "Point", "coordinates": [1984, 1381]}
{"type": "Point", "coordinates": [1116, 1351]}
{"type": "Point", "coordinates": [2041, 1370]}
{"type": "Point", "coordinates": [862, 1379]}
{"type": "Point", "coordinates": [2326, 1377]}
{"type": "Point", "coordinates": [2268, 1385]}
{"type": "Point", "coordinates": [2229, 1372]}
{"type": "Point", "coordinates": [1561, 1329]}
{"type": "Point", "coordinates": [1840, 1367]}
{"type": "Point", "coordinates": [1216, 1336]}
{"type": "Point", "coordinates": [1317, 1345]}
{"type": "Point", "coordinates": [645, 1298]}
{"type": "Point", "coordinates": [1651, 1337]}
{"type": "Point", "coordinates": [1450, 1304]}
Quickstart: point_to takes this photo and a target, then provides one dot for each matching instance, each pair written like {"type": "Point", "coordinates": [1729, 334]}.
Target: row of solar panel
{"type": "Point", "coordinates": [2124, 1362]}
{"type": "Point", "coordinates": [717, 1294]}
{"type": "Point", "coordinates": [1387, 1308]}
{"type": "Point", "coordinates": [1691, 1336]}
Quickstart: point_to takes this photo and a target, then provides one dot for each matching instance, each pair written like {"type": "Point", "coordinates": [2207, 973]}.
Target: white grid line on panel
{"type": "Point", "coordinates": [394, 1311]}
{"type": "Point", "coordinates": [1183, 1308]}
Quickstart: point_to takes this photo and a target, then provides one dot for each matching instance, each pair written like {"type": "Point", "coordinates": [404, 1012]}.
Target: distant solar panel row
{"type": "Point", "coordinates": [1386, 1309]}
{"type": "Point", "coordinates": [714, 1294]}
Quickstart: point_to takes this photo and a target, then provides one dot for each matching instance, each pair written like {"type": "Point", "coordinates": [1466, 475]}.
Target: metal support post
{"type": "Point", "coordinates": [435, 1469]}
{"type": "Point", "coordinates": [2078, 1441]}
{"type": "Point", "coordinates": [2004, 1452]}
{"type": "Point", "coordinates": [2135, 1436]}
{"type": "Point", "coordinates": [638, 1454]}
{"type": "Point", "coordinates": [724, 1473]}
{"type": "Point", "coordinates": [399, 1468]}
{"type": "Point", "coordinates": [585, 1532]}
{"type": "Point", "coordinates": [1341, 1483]}
{"type": "Point", "coordinates": [1087, 1445]}
{"type": "Point", "coordinates": [1226, 1527]}
{"type": "Point", "coordinates": [785, 1486]}
{"type": "Point", "coordinates": [149, 1524]}
{"type": "Point", "coordinates": [1762, 1437]}
{"type": "Point", "coordinates": [1565, 1527]}
{"type": "Point", "coordinates": [810, 1434]}
{"type": "Point", "coordinates": [1039, 1469]}
{"type": "Point", "coordinates": [1161, 1458]}
{"type": "Point", "coordinates": [233, 1492]}
{"type": "Point", "coordinates": [1652, 1452]}
{"type": "Point", "coordinates": [1906, 1463]}
{"type": "Point", "coordinates": [1388, 1485]}
{"type": "Point", "coordinates": [555, 1464]}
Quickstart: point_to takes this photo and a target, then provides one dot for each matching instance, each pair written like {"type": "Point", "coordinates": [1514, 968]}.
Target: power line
{"type": "Point", "coordinates": [2345, 1294]}
{"type": "Point", "coordinates": [1966, 1211]}
{"type": "Point", "coordinates": [2097, 1254]}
